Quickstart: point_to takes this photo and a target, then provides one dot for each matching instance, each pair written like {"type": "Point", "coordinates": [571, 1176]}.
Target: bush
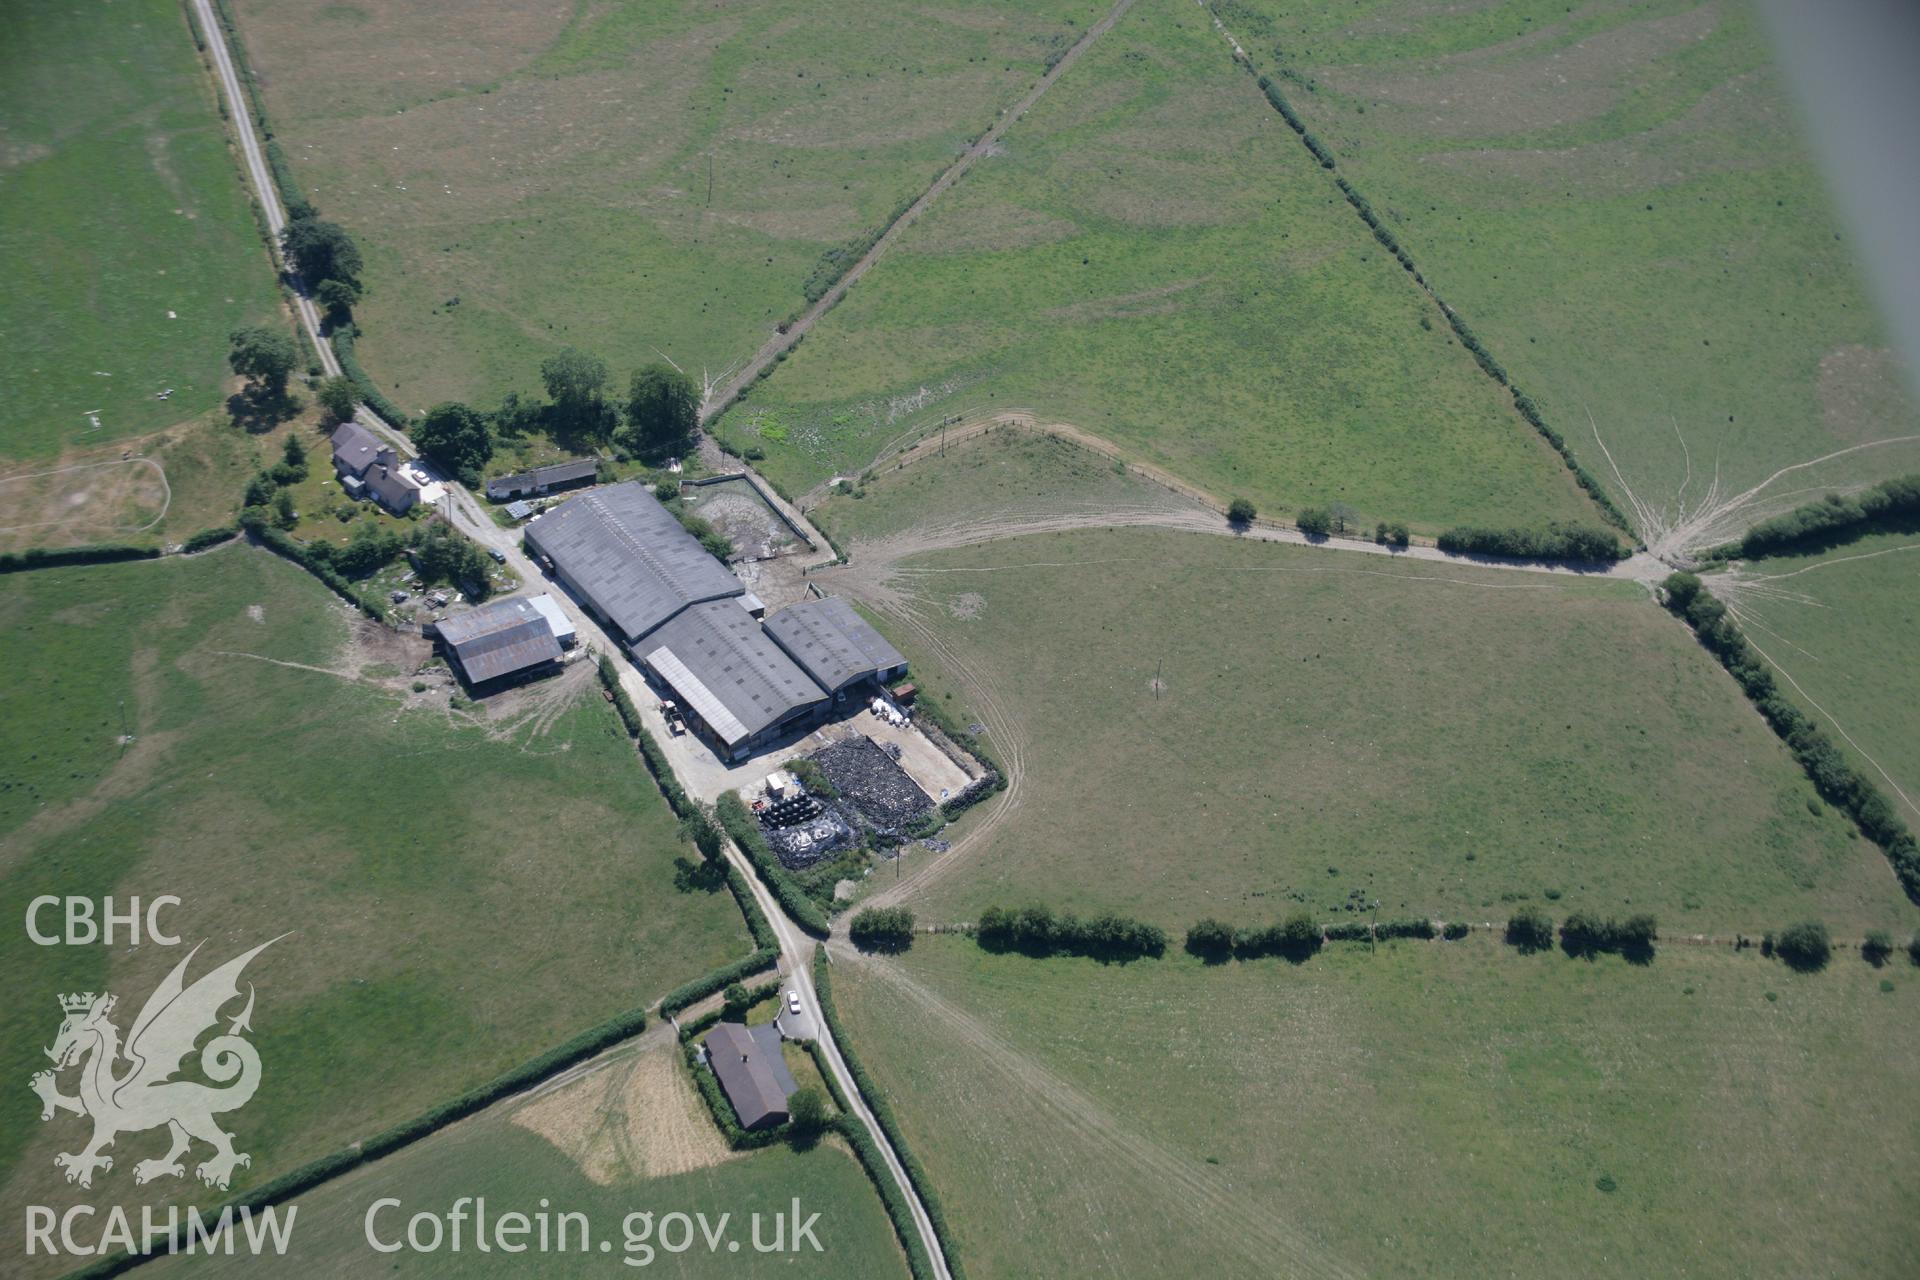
{"type": "Point", "coordinates": [1555, 542]}
{"type": "Point", "coordinates": [1877, 947]}
{"type": "Point", "coordinates": [1297, 938]}
{"type": "Point", "coordinates": [1805, 946]}
{"type": "Point", "coordinates": [1454, 930]}
{"type": "Point", "coordinates": [882, 929]}
{"type": "Point", "coordinates": [1586, 934]}
{"type": "Point", "coordinates": [1036, 931]}
{"type": "Point", "coordinates": [1240, 512]}
{"type": "Point", "coordinates": [1530, 929]}
{"type": "Point", "coordinates": [806, 1114]}
{"type": "Point", "coordinates": [1315, 522]}
{"type": "Point", "coordinates": [1211, 940]}
{"type": "Point", "coordinates": [1913, 949]}
{"type": "Point", "coordinates": [209, 538]}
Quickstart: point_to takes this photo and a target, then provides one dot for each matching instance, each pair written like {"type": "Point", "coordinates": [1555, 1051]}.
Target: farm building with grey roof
{"type": "Point", "coordinates": [626, 557]}
{"type": "Point", "coordinates": [729, 677]}
{"type": "Point", "coordinates": [497, 640]}
{"type": "Point", "coordinates": [833, 644]}
{"type": "Point", "coordinates": [752, 1072]}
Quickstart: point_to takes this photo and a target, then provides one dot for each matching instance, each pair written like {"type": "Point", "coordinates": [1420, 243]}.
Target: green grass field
{"type": "Point", "coordinates": [497, 1157]}
{"type": "Point", "coordinates": [119, 204]}
{"type": "Point", "coordinates": [462, 894]}
{"type": "Point", "coordinates": [1334, 730]}
{"type": "Point", "coordinates": [1619, 200]}
{"type": "Point", "coordinates": [1845, 626]}
{"type": "Point", "coordinates": [1154, 259]}
{"type": "Point", "coordinates": [541, 177]}
{"type": "Point", "coordinates": [1426, 1110]}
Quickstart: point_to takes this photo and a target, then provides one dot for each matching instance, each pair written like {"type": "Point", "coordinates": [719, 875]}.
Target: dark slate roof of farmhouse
{"type": "Point", "coordinates": [752, 1070]}
{"type": "Point", "coordinates": [834, 644]}
{"type": "Point", "coordinates": [721, 663]}
{"type": "Point", "coordinates": [354, 447]}
{"type": "Point", "coordinates": [629, 555]}
{"type": "Point", "coordinates": [499, 639]}
{"type": "Point", "coordinates": [390, 484]}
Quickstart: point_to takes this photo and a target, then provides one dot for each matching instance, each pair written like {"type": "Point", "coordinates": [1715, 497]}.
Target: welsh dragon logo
{"type": "Point", "coordinates": [143, 1095]}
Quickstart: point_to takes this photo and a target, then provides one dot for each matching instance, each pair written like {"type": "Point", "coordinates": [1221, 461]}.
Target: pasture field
{"type": "Point", "coordinates": [630, 1138]}
{"type": "Point", "coordinates": [1619, 199]}
{"type": "Point", "coordinates": [626, 177]}
{"type": "Point", "coordinates": [1155, 260]}
{"type": "Point", "coordinates": [1425, 1110]}
{"type": "Point", "coordinates": [1331, 730]}
{"type": "Point", "coordinates": [127, 249]}
{"type": "Point", "coordinates": [176, 482]}
{"type": "Point", "coordinates": [1844, 625]}
{"type": "Point", "coordinates": [463, 889]}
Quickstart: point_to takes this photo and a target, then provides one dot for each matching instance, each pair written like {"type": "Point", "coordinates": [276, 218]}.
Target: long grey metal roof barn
{"type": "Point", "coordinates": [751, 1070]}
{"type": "Point", "coordinates": [833, 644]}
{"type": "Point", "coordinates": [629, 558]}
{"type": "Point", "coordinates": [499, 639]}
{"type": "Point", "coordinates": [722, 665]}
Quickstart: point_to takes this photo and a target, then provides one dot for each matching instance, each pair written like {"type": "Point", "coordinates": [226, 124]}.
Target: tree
{"type": "Point", "coordinates": [259, 491]}
{"type": "Point", "coordinates": [456, 437]}
{"type": "Point", "coordinates": [733, 1001]}
{"type": "Point", "coordinates": [295, 452]}
{"type": "Point", "coordinates": [1315, 522]}
{"type": "Point", "coordinates": [1211, 940]}
{"type": "Point", "coordinates": [1877, 947]}
{"type": "Point", "coordinates": [1397, 535]}
{"type": "Point", "coordinates": [321, 251]}
{"type": "Point", "coordinates": [882, 929]}
{"type": "Point", "coordinates": [1804, 946]}
{"type": "Point", "coordinates": [1343, 516]}
{"type": "Point", "coordinates": [807, 1113]}
{"type": "Point", "coordinates": [663, 412]}
{"type": "Point", "coordinates": [337, 401]}
{"type": "Point", "coordinates": [264, 356]}
{"type": "Point", "coordinates": [445, 556]}
{"type": "Point", "coordinates": [1530, 929]}
{"type": "Point", "coordinates": [576, 381]}
{"type": "Point", "coordinates": [338, 297]}
{"type": "Point", "coordinates": [283, 513]}
{"type": "Point", "coordinates": [1299, 936]}
{"type": "Point", "coordinates": [1240, 513]}
{"type": "Point", "coordinates": [366, 551]}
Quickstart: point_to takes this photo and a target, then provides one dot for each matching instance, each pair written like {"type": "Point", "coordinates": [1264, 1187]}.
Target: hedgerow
{"type": "Point", "coordinates": [700, 988]}
{"type": "Point", "coordinates": [210, 538]}
{"type": "Point", "coordinates": [1555, 542]}
{"type": "Point", "coordinates": [882, 929]}
{"type": "Point", "coordinates": [1583, 933]}
{"type": "Point", "coordinates": [883, 1113]}
{"type": "Point", "coordinates": [343, 340]}
{"type": "Point", "coordinates": [1833, 776]}
{"type": "Point", "coordinates": [55, 557]}
{"type": "Point", "coordinates": [1037, 931]}
{"type": "Point", "coordinates": [792, 898]}
{"type": "Point", "coordinates": [1892, 506]}
{"type": "Point", "coordinates": [282, 545]}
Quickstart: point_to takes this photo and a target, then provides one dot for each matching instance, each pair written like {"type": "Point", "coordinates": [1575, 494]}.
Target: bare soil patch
{"type": "Point", "coordinates": [638, 1118]}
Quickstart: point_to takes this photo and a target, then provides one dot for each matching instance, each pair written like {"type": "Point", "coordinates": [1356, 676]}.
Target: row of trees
{"type": "Point", "coordinates": [1833, 776]}
{"type": "Point", "coordinates": [1891, 506]}
{"type": "Point", "coordinates": [1584, 933]}
{"type": "Point", "coordinates": [1555, 542]}
{"type": "Point", "coordinates": [1037, 931]}
{"type": "Point", "coordinates": [882, 929]}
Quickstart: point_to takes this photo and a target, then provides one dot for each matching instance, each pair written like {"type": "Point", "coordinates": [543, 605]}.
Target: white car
{"type": "Point", "coordinates": [793, 1003]}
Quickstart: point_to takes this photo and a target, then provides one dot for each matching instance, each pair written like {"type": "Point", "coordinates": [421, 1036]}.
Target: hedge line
{"type": "Point", "coordinates": [867, 1151]}
{"type": "Point", "coordinates": [56, 557]}
{"type": "Point", "coordinates": [684, 806]}
{"type": "Point", "coordinates": [311, 1175]}
{"type": "Point", "coordinates": [343, 340]}
{"type": "Point", "coordinates": [700, 988]}
{"type": "Point", "coordinates": [210, 538]}
{"type": "Point", "coordinates": [1892, 505]}
{"type": "Point", "coordinates": [756, 995]}
{"type": "Point", "coordinates": [1468, 339]}
{"type": "Point", "coordinates": [282, 545]}
{"type": "Point", "coordinates": [787, 892]}
{"type": "Point", "coordinates": [1037, 931]}
{"type": "Point", "coordinates": [1555, 542]}
{"type": "Point", "coordinates": [1833, 776]}
{"type": "Point", "coordinates": [883, 1112]}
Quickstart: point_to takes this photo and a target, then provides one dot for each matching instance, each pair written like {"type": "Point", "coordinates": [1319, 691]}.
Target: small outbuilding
{"type": "Point", "coordinates": [752, 1072]}
{"type": "Point", "coordinates": [560, 475]}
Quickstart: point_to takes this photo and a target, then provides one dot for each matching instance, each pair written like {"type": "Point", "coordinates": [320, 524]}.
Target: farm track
{"type": "Point", "coordinates": [780, 343]}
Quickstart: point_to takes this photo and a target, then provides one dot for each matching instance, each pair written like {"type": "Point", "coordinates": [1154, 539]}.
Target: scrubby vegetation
{"type": "Point", "coordinates": [1556, 542]}
{"type": "Point", "coordinates": [882, 929]}
{"type": "Point", "coordinates": [1037, 931]}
